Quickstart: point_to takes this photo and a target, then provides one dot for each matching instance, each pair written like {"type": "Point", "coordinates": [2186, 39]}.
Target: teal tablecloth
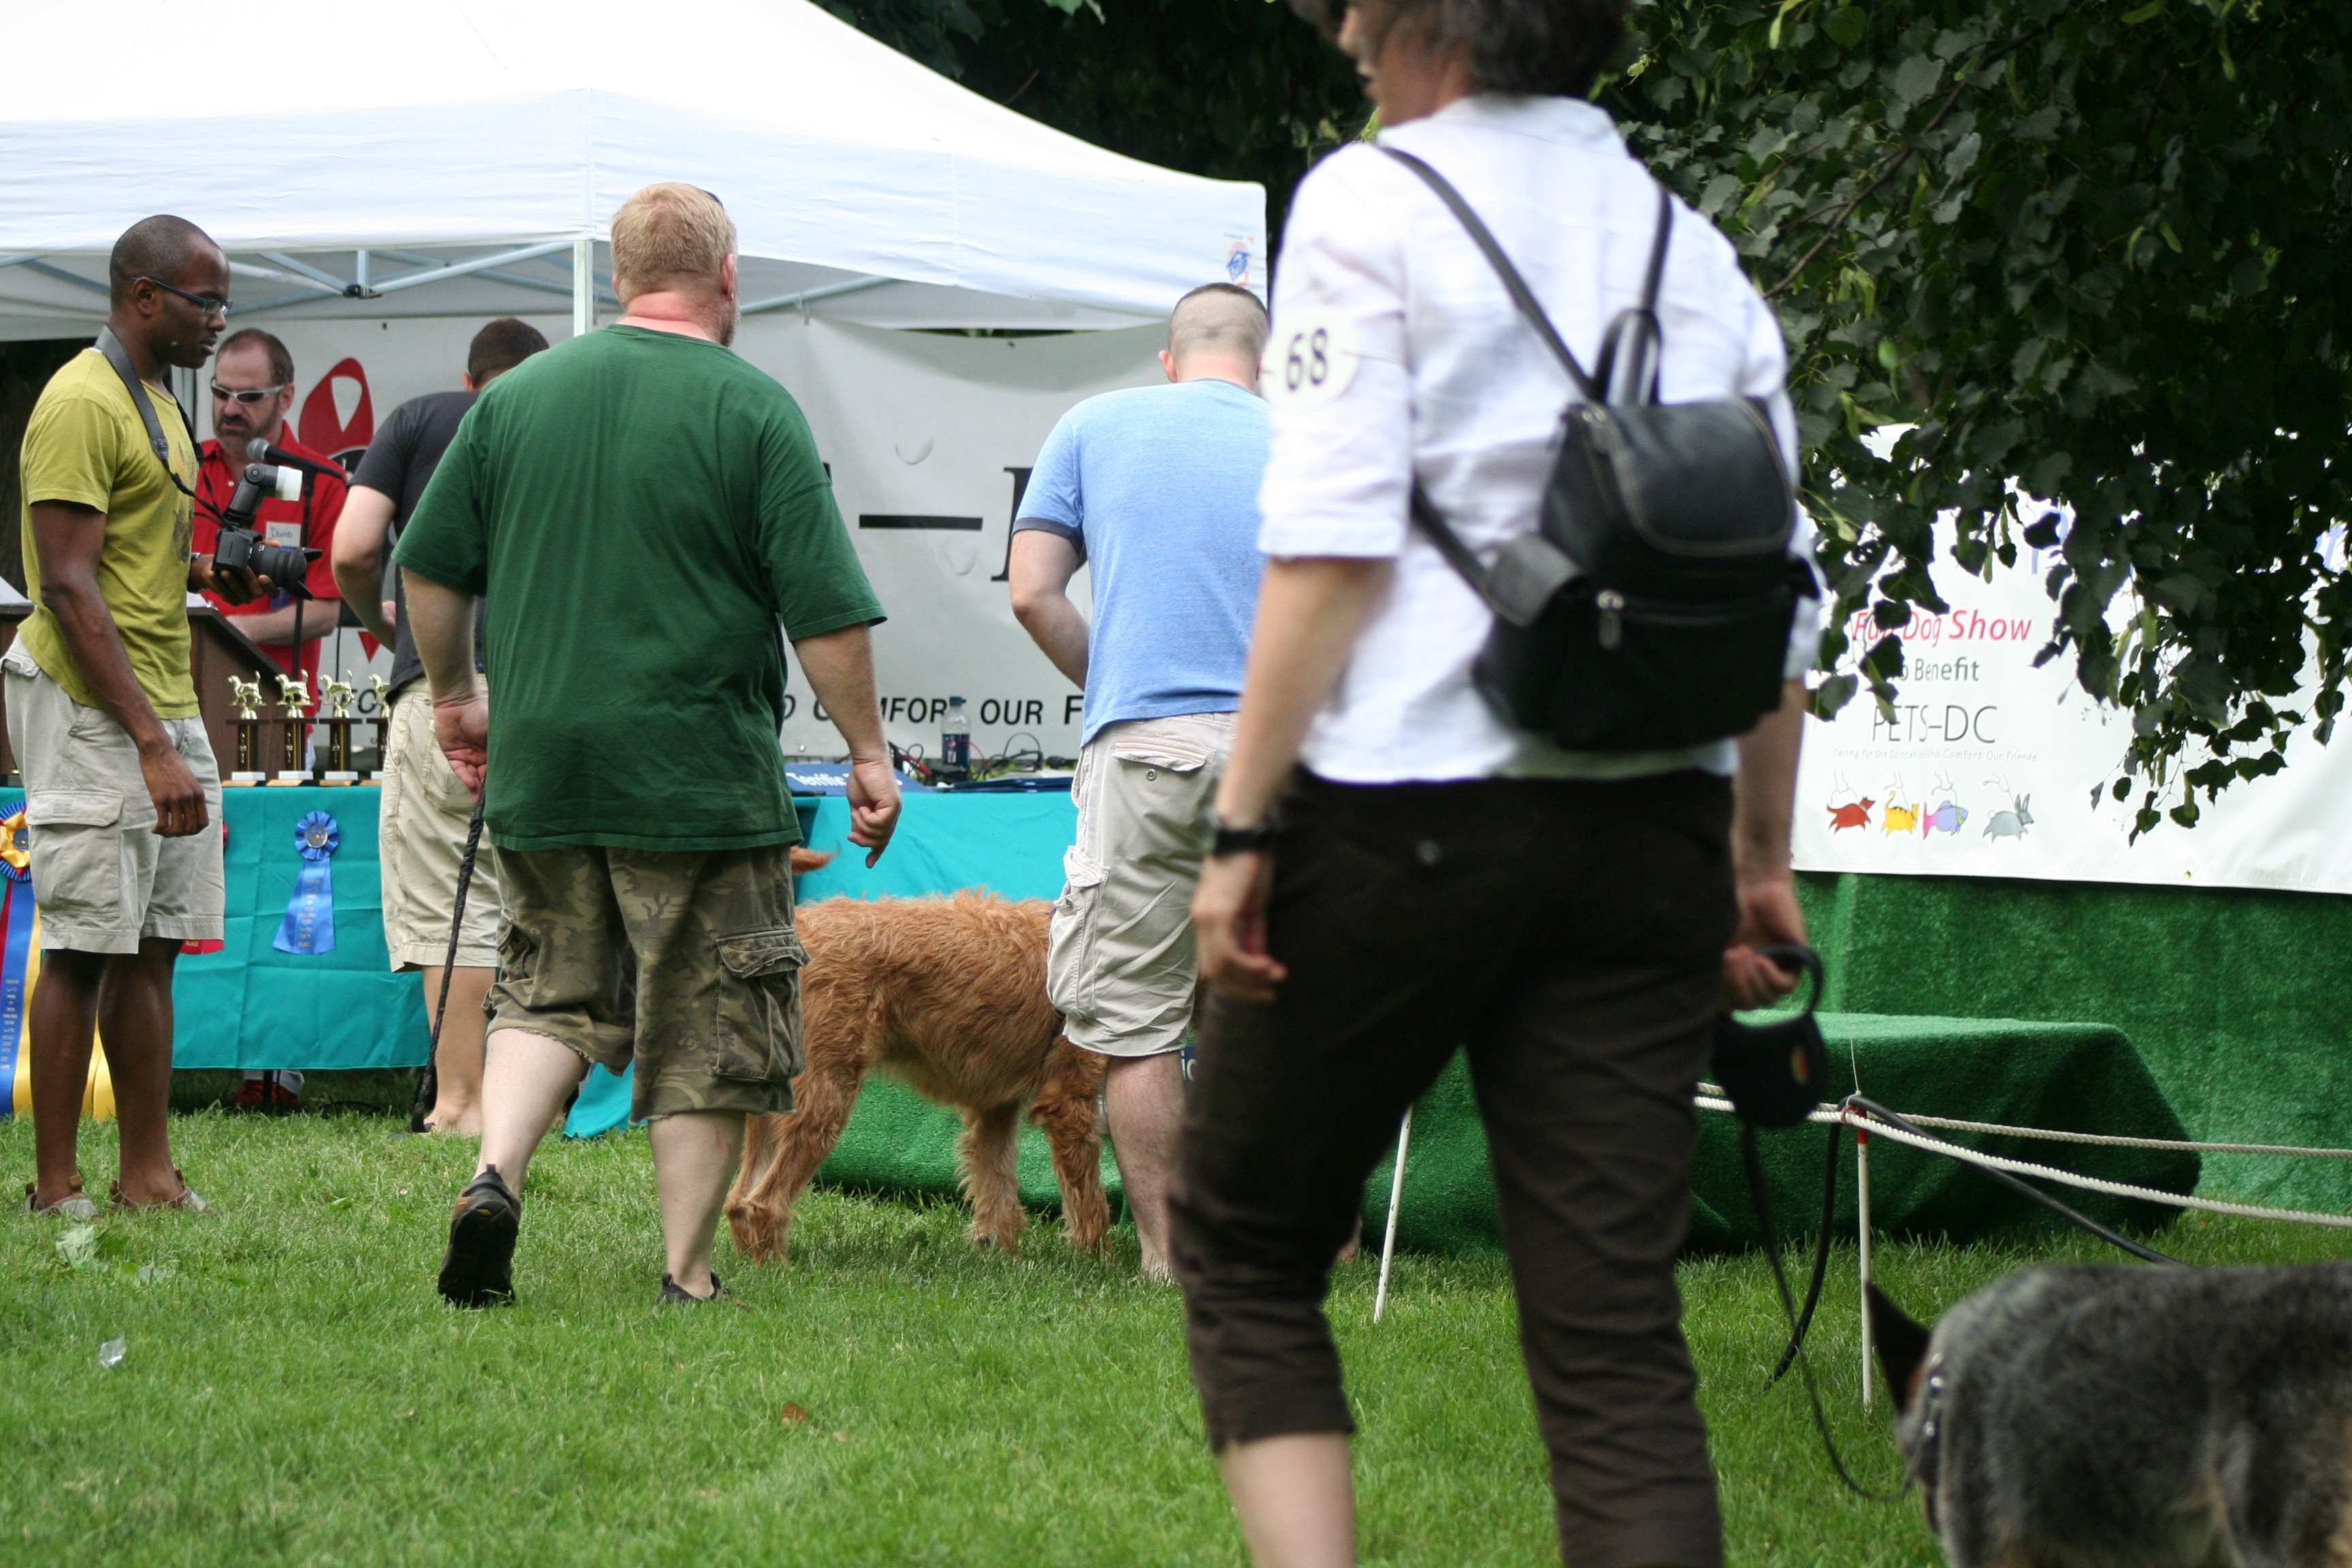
{"type": "Point", "coordinates": [250, 1005]}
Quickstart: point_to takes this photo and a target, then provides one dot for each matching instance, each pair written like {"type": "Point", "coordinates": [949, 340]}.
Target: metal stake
{"type": "Point", "coordinates": [1862, 1185]}
{"type": "Point", "coordinates": [1396, 1200]}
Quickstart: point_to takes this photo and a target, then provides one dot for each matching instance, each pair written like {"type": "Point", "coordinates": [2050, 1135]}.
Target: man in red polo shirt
{"type": "Point", "coordinates": [252, 388]}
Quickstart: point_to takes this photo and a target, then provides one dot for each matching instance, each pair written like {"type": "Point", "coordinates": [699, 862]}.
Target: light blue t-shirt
{"type": "Point", "coordinates": [1158, 487]}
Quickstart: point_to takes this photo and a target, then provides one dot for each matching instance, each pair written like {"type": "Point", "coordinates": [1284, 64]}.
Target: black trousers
{"type": "Point", "coordinates": [1570, 935]}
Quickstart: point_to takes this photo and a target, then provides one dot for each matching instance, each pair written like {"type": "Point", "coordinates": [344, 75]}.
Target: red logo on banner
{"type": "Point", "coordinates": [321, 428]}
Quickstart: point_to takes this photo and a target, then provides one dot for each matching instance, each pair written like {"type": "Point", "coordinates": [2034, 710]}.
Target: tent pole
{"type": "Point", "coordinates": [584, 286]}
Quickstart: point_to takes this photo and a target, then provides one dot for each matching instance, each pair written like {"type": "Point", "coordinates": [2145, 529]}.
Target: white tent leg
{"type": "Point", "coordinates": [1396, 1200]}
{"type": "Point", "coordinates": [584, 285]}
{"type": "Point", "coordinates": [1862, 1185]}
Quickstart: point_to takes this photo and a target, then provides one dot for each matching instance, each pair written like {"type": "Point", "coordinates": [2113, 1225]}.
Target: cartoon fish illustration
{"type": "Point", "coordinates": [1946, 818]}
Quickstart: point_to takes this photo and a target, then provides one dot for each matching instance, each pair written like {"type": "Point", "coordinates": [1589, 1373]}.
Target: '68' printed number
{"type": "Point", "coordinates": [1309, 361]}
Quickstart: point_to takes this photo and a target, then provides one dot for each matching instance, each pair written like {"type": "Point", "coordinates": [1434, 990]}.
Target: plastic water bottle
{"type": "Point", "coordinates": [955, 741]}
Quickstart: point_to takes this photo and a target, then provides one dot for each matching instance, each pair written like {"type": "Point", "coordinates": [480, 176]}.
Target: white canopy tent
{"type": "Point", "coordinates": [465, 157]}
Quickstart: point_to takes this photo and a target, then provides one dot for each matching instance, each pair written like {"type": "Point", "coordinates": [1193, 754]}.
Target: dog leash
{"type": "Point", "coordinates": [428, 1082]}
{"type": "Point", "coordinates": [1760, 1195]}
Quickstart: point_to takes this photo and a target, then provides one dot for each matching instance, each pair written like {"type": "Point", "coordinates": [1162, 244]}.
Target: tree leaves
{"type": "Point", "coordinates": [2099, 260]}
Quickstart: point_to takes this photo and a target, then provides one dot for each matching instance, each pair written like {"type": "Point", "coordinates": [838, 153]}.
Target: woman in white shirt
{"type": "Point", "coordinates": [1399, 871]}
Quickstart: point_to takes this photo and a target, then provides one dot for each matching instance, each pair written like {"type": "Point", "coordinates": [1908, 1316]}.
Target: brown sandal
{"type": "Point", "coordinates": [75, 1205]}
{"type": "Point", "coordinates": [187, 1198]}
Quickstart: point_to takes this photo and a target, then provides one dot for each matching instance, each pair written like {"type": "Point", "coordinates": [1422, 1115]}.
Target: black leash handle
{"type": "Point", "coordinates": [428, 1082]}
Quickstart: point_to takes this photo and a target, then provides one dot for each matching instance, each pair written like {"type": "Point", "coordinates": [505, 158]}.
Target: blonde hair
{"type": "Point", "coordinates": [670, 235]}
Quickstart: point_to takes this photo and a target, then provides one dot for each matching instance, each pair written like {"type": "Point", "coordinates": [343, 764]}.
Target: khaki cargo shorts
{"type": "Point", "coordinates": [684, 964]}
{"type": "Point", "coordinates": [1120, 964]}
{"type": "Point", "coordinates": [421, 836]}
{"type": "Point", "coordinates": [102, 881]}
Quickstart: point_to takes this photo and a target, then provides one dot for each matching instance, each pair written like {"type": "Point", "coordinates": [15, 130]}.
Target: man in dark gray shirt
{"type": "Point", "coordinates": [424, 811]}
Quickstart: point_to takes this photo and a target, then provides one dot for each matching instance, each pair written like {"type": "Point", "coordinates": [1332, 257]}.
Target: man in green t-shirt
{"type": "Point", "coordinates": [644, 510]}
{"type": "Point", "coordinates": [121, 789]}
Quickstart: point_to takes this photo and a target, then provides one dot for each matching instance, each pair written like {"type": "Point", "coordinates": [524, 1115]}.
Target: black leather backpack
{"type": "Point", "coordinates": [1650, 607]}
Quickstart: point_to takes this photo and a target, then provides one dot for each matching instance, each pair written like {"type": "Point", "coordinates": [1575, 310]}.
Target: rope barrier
{"type": "Point", "coordinates": [1875, 1128]}
{"type": "Point", "coordinates": [2107, 1140]}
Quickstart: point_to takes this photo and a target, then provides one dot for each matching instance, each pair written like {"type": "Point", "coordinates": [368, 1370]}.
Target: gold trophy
{"type": "Point", "coordinates": [382, 690]}
{"type": "Point", "coordinates": [335, 699]}
{"type": "Point", "coordinates": [294, 695]}
{"type": "Point", "coordinates": [246, 695]}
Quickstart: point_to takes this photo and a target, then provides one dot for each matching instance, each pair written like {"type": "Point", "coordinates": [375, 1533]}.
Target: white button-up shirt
{"type": "Point", "coordinates": [1396, 351]}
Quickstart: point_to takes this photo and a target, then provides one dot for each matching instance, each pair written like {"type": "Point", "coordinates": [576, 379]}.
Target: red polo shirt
{"type": "Point", "coordinates": [282, 523]}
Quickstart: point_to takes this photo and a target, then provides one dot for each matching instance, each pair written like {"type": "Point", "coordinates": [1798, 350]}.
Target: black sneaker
{"type": "Point", "coordinates": [675, 1293]}
{"type": "Point", "coordinates": [478, 1270]}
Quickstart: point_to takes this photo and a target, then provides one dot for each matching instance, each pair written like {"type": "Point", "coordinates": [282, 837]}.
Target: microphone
{"type": "Point", "coordinates": [260, 451]}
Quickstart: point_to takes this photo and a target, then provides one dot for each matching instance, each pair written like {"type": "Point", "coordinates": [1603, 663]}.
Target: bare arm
{"type": "Point", "coordinates": [1764, 804]}
{"type": "Point", "coordinates": [1042, 566]}
{"type": "Point", "coordinates": [840, 669]}
{"type": "Point", "coordinates": [69, 538]}
{"type": "Point", "coordinates": [1308, 613]}
{"type": "Point", "coordinates": [319, 616]}
{"type": "Point", "coordinates": [441, 619]}
{"type": "Point", "coordinates": [358, 558]}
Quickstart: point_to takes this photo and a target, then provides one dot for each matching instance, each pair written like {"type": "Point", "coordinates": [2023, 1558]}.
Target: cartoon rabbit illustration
{"type": "Point", "coordinates": [2013, 823]}
{"type": "Point", "coordinates": [1949, 814]}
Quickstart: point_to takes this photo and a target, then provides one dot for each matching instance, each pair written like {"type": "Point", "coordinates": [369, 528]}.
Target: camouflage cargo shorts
{"type": "Point", "coordinates": [682, 964]}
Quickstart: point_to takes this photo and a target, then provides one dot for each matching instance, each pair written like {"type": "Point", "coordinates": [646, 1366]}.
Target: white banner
{"type": "Point", "coordinates": [929, 438]}
{"type": "Point", "coordinates": [1988, 767]}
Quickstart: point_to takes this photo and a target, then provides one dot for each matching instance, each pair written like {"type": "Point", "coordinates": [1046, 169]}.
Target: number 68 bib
{"type": "Point", "coordinates": [1310, 360]}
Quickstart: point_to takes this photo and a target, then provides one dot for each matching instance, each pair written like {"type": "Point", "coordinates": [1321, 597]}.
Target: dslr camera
{"type": "Point", "coordinates": [240, 544]}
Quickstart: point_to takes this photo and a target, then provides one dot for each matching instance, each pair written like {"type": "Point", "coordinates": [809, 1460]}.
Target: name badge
{"type": "Point", "coordinates": [286, 534]}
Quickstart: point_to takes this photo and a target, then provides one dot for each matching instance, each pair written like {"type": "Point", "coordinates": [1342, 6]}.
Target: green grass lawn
{"type": "Point", "coordinates": [292, 1392]}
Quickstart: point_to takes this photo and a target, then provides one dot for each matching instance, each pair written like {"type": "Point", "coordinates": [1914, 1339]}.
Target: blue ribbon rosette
{"type": "Point", "coordinates": [309, 923]}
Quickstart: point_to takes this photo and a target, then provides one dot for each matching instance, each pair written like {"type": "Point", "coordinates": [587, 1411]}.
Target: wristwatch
{"type": "Point", "coordinates": [1227, 840]}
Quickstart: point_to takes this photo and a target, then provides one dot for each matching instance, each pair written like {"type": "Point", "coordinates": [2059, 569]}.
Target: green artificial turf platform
{"type": "Point", "coordinates": [2240, 1001]}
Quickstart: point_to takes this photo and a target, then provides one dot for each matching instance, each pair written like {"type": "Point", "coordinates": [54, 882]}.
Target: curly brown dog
{"type": "Point", "coordinates": [948, 995]}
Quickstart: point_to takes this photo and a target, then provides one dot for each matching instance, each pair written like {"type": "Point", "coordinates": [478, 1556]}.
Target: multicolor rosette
{"type": "Point", "coordinates": [17, 954]}
{"type": "Point", "coordinates": [309, 923]}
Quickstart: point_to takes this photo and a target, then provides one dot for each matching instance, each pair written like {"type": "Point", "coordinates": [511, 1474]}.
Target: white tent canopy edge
{"type": "Point", "coordinates": [476, 145]}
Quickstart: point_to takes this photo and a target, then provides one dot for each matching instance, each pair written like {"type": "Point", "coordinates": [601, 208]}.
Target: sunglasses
{"type": "Point", "coordinates": [248, 395]}
{"type": "Point", "coordinates": [204, 303]}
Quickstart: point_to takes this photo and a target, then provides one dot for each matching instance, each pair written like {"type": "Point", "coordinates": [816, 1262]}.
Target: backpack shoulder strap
{"type": "Point", "coordinates": [1521, 295]}
{"type": "Point", "coordinates": [1449, 544]}
{"type": "Point", "coordinates": [1630, 352]}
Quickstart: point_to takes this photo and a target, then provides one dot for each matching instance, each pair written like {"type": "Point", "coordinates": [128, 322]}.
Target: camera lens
{"type": "Point", "coordinates": [282, 564]}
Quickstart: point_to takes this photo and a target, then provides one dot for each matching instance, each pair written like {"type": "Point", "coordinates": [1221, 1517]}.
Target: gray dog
{"type": "Point", "coordinates": [2073, 1416]}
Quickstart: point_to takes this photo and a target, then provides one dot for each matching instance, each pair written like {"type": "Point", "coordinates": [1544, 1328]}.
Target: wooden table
{"type": "Point", "coordinates": [218, 652]}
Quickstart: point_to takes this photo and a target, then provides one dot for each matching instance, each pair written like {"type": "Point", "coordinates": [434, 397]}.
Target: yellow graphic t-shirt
{"type": "Point", "coordinates": [87, 444]}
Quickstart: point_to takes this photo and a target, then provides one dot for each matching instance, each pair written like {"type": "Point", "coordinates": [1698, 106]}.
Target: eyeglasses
{"type": "Point", "coordinates": [204, 303]}
{"type": "Point", "coordinates": [248, 395]}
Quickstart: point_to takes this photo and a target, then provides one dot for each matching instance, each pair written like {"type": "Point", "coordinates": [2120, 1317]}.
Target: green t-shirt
{"type": "Point", "coordinates": [86, 444]}
{"type": "Point", "coordinates": [642, 508]}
